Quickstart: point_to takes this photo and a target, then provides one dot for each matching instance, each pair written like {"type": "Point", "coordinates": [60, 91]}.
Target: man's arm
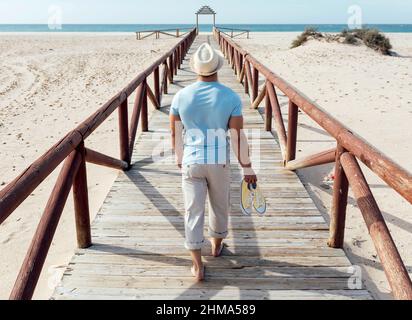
{"type": "Point", "coordinates": [176, 129]}
{"type": "Point", "coordinates": [241, 149]}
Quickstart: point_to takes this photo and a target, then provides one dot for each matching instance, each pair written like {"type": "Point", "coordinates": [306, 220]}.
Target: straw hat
{"type": "Point", "coordinates": [206, 61]}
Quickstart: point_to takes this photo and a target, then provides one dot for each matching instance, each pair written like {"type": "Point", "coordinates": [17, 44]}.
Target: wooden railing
{"type": "Point", "coordinates": [177, 33]}
{"type": "Point", "coordinates": [349, 150]}
{"type": "Point", "coordinates": [234, 33]}
{"type": "Point", "coordinates": [71, 149]}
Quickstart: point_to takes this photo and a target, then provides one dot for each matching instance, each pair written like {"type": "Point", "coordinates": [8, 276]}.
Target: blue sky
{"type": "Point", "coordinates": [182, 11]}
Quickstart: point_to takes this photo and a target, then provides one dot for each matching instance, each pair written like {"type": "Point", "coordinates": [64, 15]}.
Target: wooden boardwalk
{"type": "Point", "coordinates": [138, 250]}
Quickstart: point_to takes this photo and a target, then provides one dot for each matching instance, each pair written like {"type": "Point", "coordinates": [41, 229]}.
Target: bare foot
{"type": "Point", "coordinates": [198, 273]}
{"type": "Point", "coordinates": [218, 250]}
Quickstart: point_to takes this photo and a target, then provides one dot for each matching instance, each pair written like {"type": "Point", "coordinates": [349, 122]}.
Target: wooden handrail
{"type": "Point", "coordinates": [349, 148]}
{"type": "Point", "coordinates": [157, 32]}
{"type": "Point", "coordinates": [71, 148]}
{"type": "Point", "coordinates": [385, 246]}
{"type": "Point", "coordinates": [233, 31]}
{"type": "Point", "coordinates": [36, 256]}
{"type": "Point", "coordinates": [222, 28]}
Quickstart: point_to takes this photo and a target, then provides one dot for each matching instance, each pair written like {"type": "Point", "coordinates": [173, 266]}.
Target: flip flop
{"type": "Point", "coordinates": [195, 274]}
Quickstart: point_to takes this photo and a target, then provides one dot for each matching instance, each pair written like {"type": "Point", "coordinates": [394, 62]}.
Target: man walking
{"type": "Point", "coordinates": [201, 116]}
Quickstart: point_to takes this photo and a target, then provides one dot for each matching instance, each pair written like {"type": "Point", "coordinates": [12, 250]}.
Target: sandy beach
{"type": "Point", "coordinates": [372, 95]}
{"type": "Point", "coordinates": [48, 84]}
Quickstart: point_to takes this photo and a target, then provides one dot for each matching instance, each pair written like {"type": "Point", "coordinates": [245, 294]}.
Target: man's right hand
{"type": "Point", "coordinates": [250, 175]}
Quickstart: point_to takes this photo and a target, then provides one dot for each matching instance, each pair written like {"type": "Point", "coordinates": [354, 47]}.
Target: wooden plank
{"type": "Point", "coordinates": [245, 235]}
{"type": "Point", "coordinates": [274, 283]}
{"type": "Point", "coordinates": [230, 243]}
{"type": "Point", "coordinates": [226, 261]}
{"type": "Point", "coordinates": [196, 294]}
{"type": "Point", "coordinates": [261, 272]}
{"type": "Point", "coordinates": [233, 251]}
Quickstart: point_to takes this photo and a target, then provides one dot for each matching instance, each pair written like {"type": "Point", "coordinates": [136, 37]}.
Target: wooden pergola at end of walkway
{"type": "Point", "coordinates": [206, 11]}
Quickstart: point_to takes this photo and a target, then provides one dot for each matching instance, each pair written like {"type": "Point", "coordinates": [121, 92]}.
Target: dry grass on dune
{"type": "Point", "coordinates": [372, 38]}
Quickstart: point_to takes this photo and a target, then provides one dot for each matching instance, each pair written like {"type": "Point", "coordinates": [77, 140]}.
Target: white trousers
{"type": "Point", "coordinates": [199, 181]}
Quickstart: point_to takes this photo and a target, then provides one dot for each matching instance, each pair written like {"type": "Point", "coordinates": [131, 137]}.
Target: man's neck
{"type": "Point", "coordinates": [212, 78]}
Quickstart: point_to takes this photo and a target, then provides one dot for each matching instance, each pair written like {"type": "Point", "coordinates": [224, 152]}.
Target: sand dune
{"type": "Point", "coordinates": [48, 84]}
{"type": "Point", "coordinates": [372, 95]}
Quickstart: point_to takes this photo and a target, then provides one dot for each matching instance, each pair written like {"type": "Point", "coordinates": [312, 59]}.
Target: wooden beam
{"type": "Point", "coordinates": [134, 122]}
{"type": "Point", "coordinates": [259, 98]}
{"type": "Point", "coordinates": [152, 98]}
{"type": "Point", "coordinates": [325, 157]}
{"type": "Point", "coordinates": [277, 113]}
{"type": "Point", "coordinates": [249, 78]}
{"type": "Point", "coordinates": [100, 159]}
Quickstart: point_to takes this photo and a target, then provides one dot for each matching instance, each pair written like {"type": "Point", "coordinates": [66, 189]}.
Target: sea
{"type": "Point", "coordinates": [388, 28]}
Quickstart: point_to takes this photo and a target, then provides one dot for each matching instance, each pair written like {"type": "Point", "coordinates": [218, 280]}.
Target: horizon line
{"type": "Point", "coordinates": [206, 24]}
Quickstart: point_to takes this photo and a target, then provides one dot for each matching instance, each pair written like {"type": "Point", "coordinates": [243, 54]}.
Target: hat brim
{"type": "Point", "coordinates": [206, 74]}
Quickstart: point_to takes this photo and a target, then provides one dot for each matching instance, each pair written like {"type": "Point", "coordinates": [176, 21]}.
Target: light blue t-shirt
{"type": "Point", "coordinates": [205, 109]}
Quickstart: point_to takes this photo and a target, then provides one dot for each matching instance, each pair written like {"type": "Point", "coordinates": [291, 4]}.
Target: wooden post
{"type": "Point", "coordinates": [36, 256]}
{"type": "Point", "coordinates": [249, 78]}
{"type": "Point", "coordinates": [292, 131]}
{"type": "Point", "coordinates": [171, 68]}
{"type": "Point", "coordinates": [81, 203]}
{"type": "Point", "coordinates": [179, 56]}
{"type": "Point", "coordinates": [240, 66]}
{"type": "Point", "coordinates": [391, 260]}
{"type": "Point", "coordinates": [340, 201]}
{"type": "Point", "coordinates": [174, 63]}
{"type": "Point", "coordinates": [255, 88]}
{"type": "Point", "coordinates": [246, 77]}
{"type": "Point", "coordinates": [268, 114]}
{"type": "Point", "coordinates": [145, 120]}
{"type": "Point", "coordinates": [164, 81]}
{"type": "Point", "coordinates": [156, 77]}
{"type": "Point", "coordinates": [231, 56]}
{"type": "Point", "coordinates": [237, 64]}
{"type": "Point", "coordinates": [124, 132]}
